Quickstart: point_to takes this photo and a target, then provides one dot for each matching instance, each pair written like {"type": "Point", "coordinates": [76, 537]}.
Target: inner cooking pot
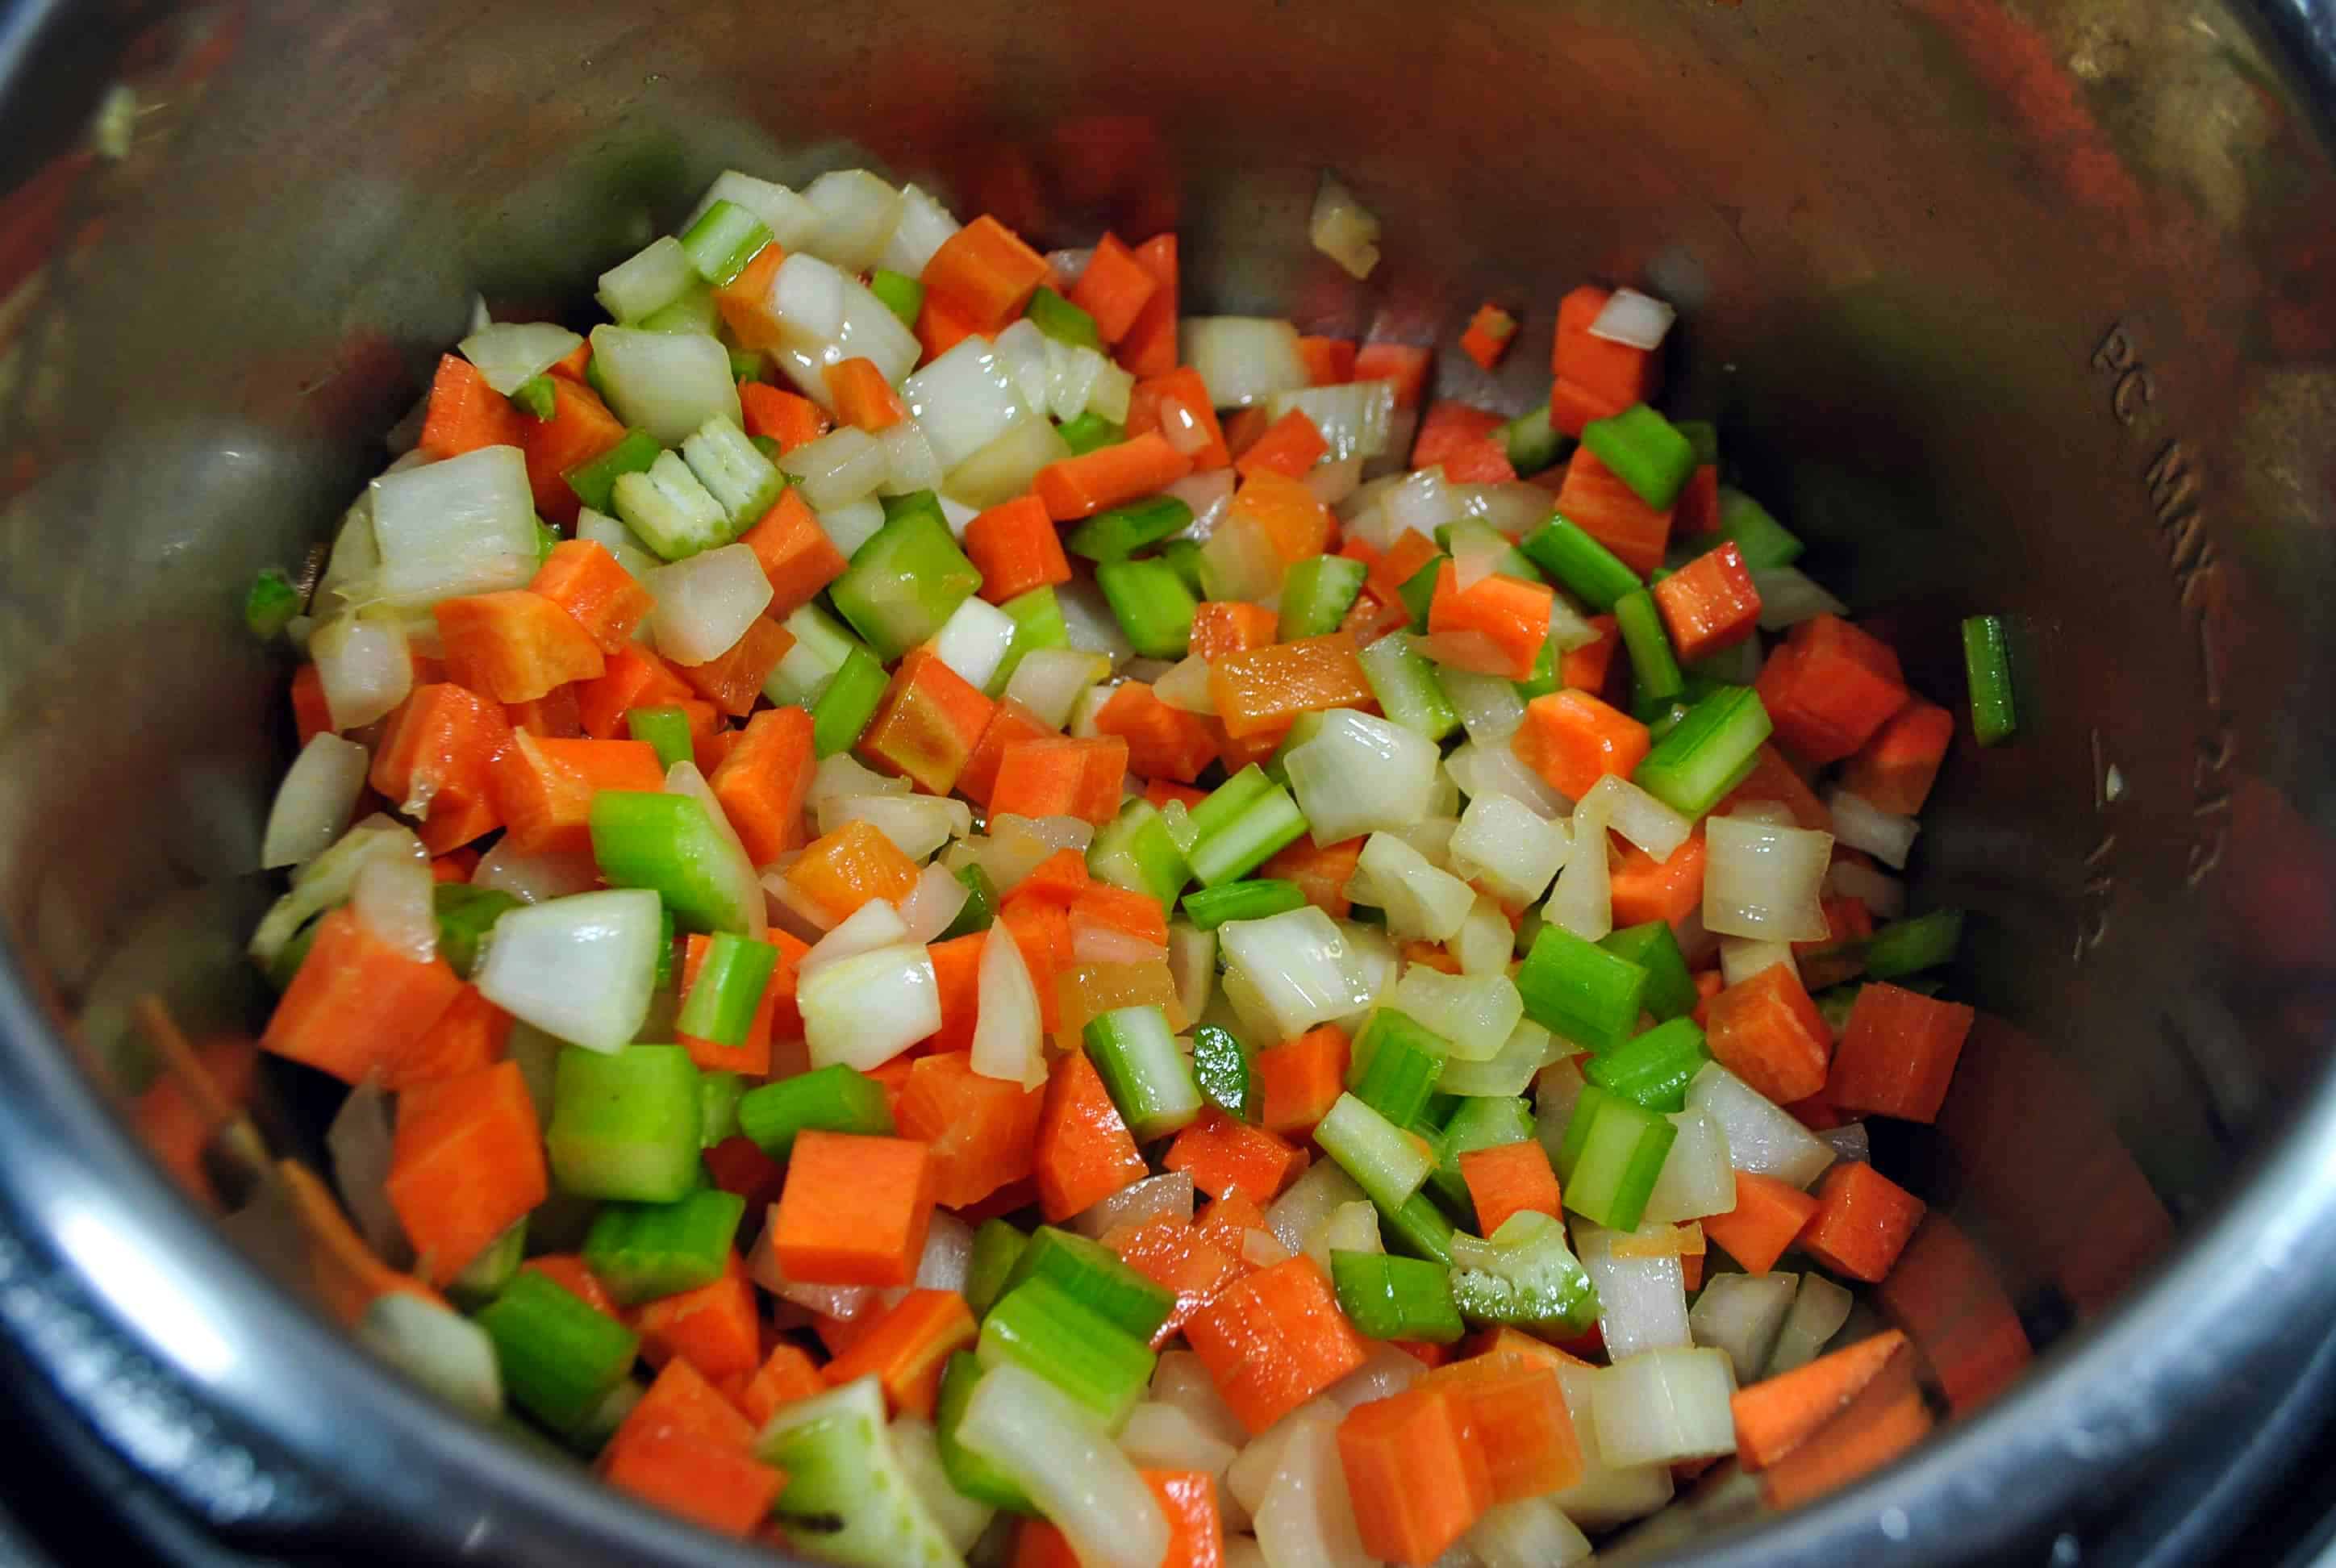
{"type": "Point", "coordinates": [2014, 307]}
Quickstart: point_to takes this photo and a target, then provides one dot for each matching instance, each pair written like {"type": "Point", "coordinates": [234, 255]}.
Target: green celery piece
{"type": "Point", "coordinates": [1382, 1157]}
{"type": "Point", "coordinates": [1655, 675]}
{"type": "Point", "coordinates": [286, 962]}
{"type": "Point", "coordinates": [1264, 830]}
{"type": "Point", "coordinates": [1612, 1153]}
{"type": "Point", "coordinates": [490, 1271]}
{"type": "Point", "coordinates": [1152, 604]}
{"type": "Point", "coordinates": [672, 510]}
{"type": "Point", "coordinates": [849, 702]}
{"type": "Point", "coordinates": [1037, 618]}
{"type": "Point", "coordinates": [1418, 590]}
{"type": "Point", "coordinates": [560, 1358]}
{"type": "Point", "coordinates": [1396, 1297]}
{"type": "Point", "coordinates": [669, 844]}
{"type": "Point", "coordinates": [667, 934]}
{"type": "Point", "coordinates": [1707, 753]}
{"type": "Point", "coordinates": [847, 1499]}
{"type": "Point", "coordinates": [734, 470]}
{"type": "Point", "coordinates": [537, 397]}
{"type": "Point", "coordinates": [1545, 677]}
{"type": "Point", "coordinates": [1645, 451]}
{"type": "Point", "coordinates": [1042, 1329]}
{"type": "Point", "coordinates": [1136, 852]}
{"type": "Point", "coordinates": [725, 238]}
{"type": "Point", "coordinates": [1221, 1065]}
{"type": "Point", "coordinates": [1407, 685]}
{"type": "Point", "coordinates": [1702, 439]}
{"type": "Point", "coordinates": [1580, 991]}
{"type": "Point", "coordinates": [1583, 567]}
{"type": "Point", "coordinates": [1525, 1276]}
{"type": "Point", "coordinates": [1095, 1277]}
{"type": "Point", "coordinates": [745, 366]}
{"type": "Point", "coordinates": [1987, 666]}
{"type": "Point", "coordinates": [903, 295]}
{"type": "Point", "coordinates": [1185, 555]}
{"type": "Point", "coordinates": [547, 540]}
{"type": "Point", "coordinates": [718, 1094]}
{"type": "Point", "coordinates": [1909, 947]}
{"type": "Point", "coordinates": [907, 581]}
{"type": "Point", "coordinates": [1534, 444]}
{"type": "Point", "coordinates": [1119, 533]}
{"type": "Point", "coordinates": [1670, 989]}
{"type": "Point", "coordinates": [728, 991]}
{"type": "Point", "coordinates": [1061, 320]}
{"type": "Point", "coordinates": [1417, 1228]}
{"type": "Point", "coordinates": [269, 604]}
{"type": "Point", "coordinates": [1135, 1054]}
{"type": "Point", "coordinates": [979, 908]}
{"type": "Point", "coordinates": [667, 729]}
{"type": "Point", "coordinates": [1209, 908]}
{"type": "Point", "coordinates": [694, 314]}
{"type": "Point", "coordinates": [1395, 1064]}
{"type": "Point", "coordinates": [829, 1099]}
{"type": "Point", "coordinates": [1509, 562]}
{"type": "Point", "coordinates": [997, 1248]}
{"type": "Point", "coordinates": [821, 645]}
{"type": "Point", "coordinates": [1662, 718]}
{"type": "Point", "coordinates": [1228, 802]}
{"type": "Point", "coordinates": [1760, 539]}
{"type": "Point", "coordinates": [465, 915]}
{"type": "Point", "coordinates": [1090, 432]}
{"type": "Point", "coordinates": [644, 1251]}
{"type": "Point", "coordinates": [1835, 1005]}
{"type": "Point", "coordinates": [968, 1472]}
{"type": "Point", "coordinates": [1653, 1070]}
{"type": "Point", "coordinates": [1317, 594]}
{"type": "Point", "coordinates": [624, 1125]}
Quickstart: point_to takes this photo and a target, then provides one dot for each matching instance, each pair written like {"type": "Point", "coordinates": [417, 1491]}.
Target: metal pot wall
{"type": "Point", "coordinates": [2025, 307]}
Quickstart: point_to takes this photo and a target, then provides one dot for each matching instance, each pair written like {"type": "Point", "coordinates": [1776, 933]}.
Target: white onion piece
{"type": "Point", "coordinates": [1488, 705]}
{"type": "Point", "coordinates": [1021, 351]}
{"type": "Point", "coordinates": [1776, 813]}
{"type": "Point", "coordinates": [1065, 1462]}
{"type": "Point", "coordinates": [1360, 774]}
{"type": "Point", "coordinates": [1475, 556]}
{"type": "Point", "coordinates": [798, 915]}
{"type": "Point", "coordinates": [1885, 894]}
{"type": "Point", "coordinates": [1741, 958]}
{"type": "Point", "coordinates": [917, 825]}
{"type": "Point", "coordinates": [641, 285]}
{"type": "Point", "coordinates": [825, 317]}
{"type": "Point", "coordinates": [1741, 1316]}
{"type": "Point", "coordinates": [738, 874]}
{"type": "Point", "coordinates": [1333, 480]}
{"type": "Point", "coordinates": [852, 524]}
{"type": "Point", "coordinates": [1495, 770]}
{"type": "Point", "coordinates": [706, 603]}
{"type": "Point", "coordinates": [974, 641]}
{"type": "Point", "coordinates": [1789, 596]}
{"type": "Point", "coordinates": [1161, 1437]}
{"type": "Point", "coordinates": [1634, 318]}
{"type": "Point", "coordinates": [1209, 493]}
{"type": "Point", "coordinates": [1641, 1299]}
{"type": "Point", "coordinates": [1567, 629]}
{"type": "Point", "coordinates": [1007, 1041]}
{"type": "Point", "coordinates": [874, 924]}
{"type": "Point", "coordinates": [1530, 1533]}
{"type": "Point", "coordinates": [1242, 359]}
{"type": "Point", "coordinates": [1298, 964]}
{"type": "Point", "coordinates": [1462, 650]}
{"type": "Point", "coordinates": [1765, 879]}
{"type": "Point", "coordinates": [364, 667]}
{"type": "Point", "coordinates": [581, 968]}
{"type": "Point", "coordinates": [943, 1265]}
{"type": "Point", "coordinates": [917, 1452]}
{"type": "Point", "coordinates": [512, 353]}
{"type": "Point", "coordinates": [924, 227]}
{"type": "Point", "coordinates": [841, 775]}
{"type": "Point", "coordinates": [1608, 1494]}
{"type": "Point", "coordinates": [1304, 1516]}
{"type": "Point", "coordinates": [611, 535]}
{"type": "Point", "coordinates": [393, 899]}
{"type": "Point", "coordinates": [1761, 1137]}
{"type": "Point", "coordinates": [933, 904]}
{"type": "Point", "coordinates": [857, 215]}
{"type": "Point", "coordinates": [1514, 509]}
{"type": "Point", "coordinates": [909, 464]}
{"type": "Point", "coordinates": [1485, 943]}
{"type": "Point", "coordinates": [1385, 1372]}
{"type": "Point", "coordinates": [789, 218]}
{"type": "Point", "coordinates": [359, 1141]}
{"type": "Point", "coordinates": [446, 1353]}
{"type": "Point", "coordinates": [958, 515]}
{"type": "Point", "coordinates": [1556, 1088]}
{"type": "Point", "coordinates": [1239, 562]}
{"type": "Point", "coordinates": [668, 384]}
{"type": "Point", "coordinates": [532, 879]}
{"type": "Point", "coordinates": [463, 525]}
{"type": "Point", "coordinates": [1849, 1143]}
{"type": "Point", "coordinates": [1153, 1198]}
{"type": "Point", "coordinates": [1089, 619]}
{"type": "Point", "coordinates": [1695, 1179]}
{"type": "Point", "coordinates": [1348, 1228]}
{"type": "Point", "coordinates": [1421, 503]}
{"type": "Point", "coordinates": [845, 464]}
{"type": "Point", "coordinates": [1352, 417]}
{"type": "Point", "coordinates": [1301, 1213]}
{"type": "Point", "coordinates": [313, 804]}
{"type": "Point", "coordinates": [1529, 1049]}
{"type": "Point", "coordinates": [845, 1303]}
{"type": "Point", "coordinates": [1071, 376]}
{"type": "Point", "coordinates": [1637, 815]}
{"type": "Point", "coordinates": [1049, 680]}
{"type": "Point", "coordinates": [1186, 686]}
{"type": "Point", "coordinates": [1068, 266]}
{"type": "Point", "coordinates": [1477, 1013]}
{"type": "Point", "coordinates": [1097, 942]}
{"type": "Point", "coordinates": [1583, 900]}
{"type": "Point", "coordinates": [866, 1010]}
{"type": "Point", "coordinates": [1509, 847]}
{"type": "Point", "coordinates": [1343, 229]}
{"type": "Point", "coordinates": [1666, 1405]}
{"type": "Point", "coordinates": [1819, 1308]}
{"type": "Point", "coordinates": [1863, 826]}
{"type": "Point", "coordinates": [1263, 1250]}
{"type": "Point", "coordinates": [1181, 1380]}
{"type": "Point", "coordinates": [1422, 903]}
{"type": "Point", "coordinates": [964, 400]}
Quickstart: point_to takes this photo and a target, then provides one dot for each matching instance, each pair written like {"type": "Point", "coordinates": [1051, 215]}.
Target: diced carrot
{"type": "Point", "coordinates": [1839, 957]}
{"type": "Point", "coordinates": [310, 716]}
{"type": "Point", "coordinates": [471, 1033]}
{"type": "Point", "coordinates": [1451, 429]}
{"type": "Point", "coordinates": [1269, 687]}
{"type": "Point", "coordinates": [1300, 1080]}
{"type": "Point", "coordinates": [1009, 722]}
{"type": "Point", "coordinates": [570, 1273]}
{"type": "Point", "coordinates": [733, 679]}
{"type": "Point", "coordinates": [840, 1334]}
{"type": "Point", "coordinates": [1769, 1217]}
{"type": "Point", "coordinates": [745, 302]}
{"type": "Point", "coordinates": [543, 789]}
{"type": "Point", "coordinates": [1616, 373]}
{"type": "Point", "coordinates": [855, 1210]}
{"type": "Point", "coordinates": [981, 1131]}
{"type": "Point", "coordinates": [905, 1348]}
{"type": "Point", "coordinates": [1432, 955]}
{"type": "Point", "coordinates": [1061, 777]}
{"type": "Point", "coordinates": [1863, 1221]}
{"type": "Point", "coordinates": [556, 715]}
{"type": "Point", "coordinates": [466, 1166]}
{"type": "Point", "coordinates": [709, 750]}
{"type": "Point", "coordinates": [578, 361]}
{"type": "Point", "coordinates": [1509, 1179]}
{"type": "Point", "coordinates": [957, 969]}
{"type": "Point", "coordinates": [1510, 614]}
{"type": "Point", "coordinates": [580, 429]}
{"type": "Point", "coordinates": [1766, 1031]}
{"type": "Point", "coordinates": [1886, 1418]}
{"type": "Point", "coordinates": [1897, 766]}
{"type": "Point", "coordinates": [788, 418]}
{"type": "Point", "coordinates": [1176, 404]}
{"type": "Point", "coordinates": [465, 413]}
{"type": "Point", "coordinates": [711, 1480]}
{"type": "Point", "coordinates": [1329, 361]}
{"type": "Point", "coordinates": [1642, 888]}
{"type": "Point", "coordinates": [786, 1375]}
{"type": "Point", "coordinates": [1223, 625]}
{"type": "Point", "coordinates": [434, 761]}
{"type": "Point", "coordinates": [797, 556]}
{"type": "Point", "coordinates": [764, 780]}
{"type": "Point", "coordinates": [1180, 1257]}
{"type": "Point", "coordinates": [1225, 1221]}
{"type": "Point", "coordinates": [1289, 446]}
{"type": "Point", "coordinates": [1088, 990]}
{"type": "Point", "coordinates": [1273, 1340]}
{"type": "Point", "coordinates": [1081, 486]}
{"type": "Point", "coordinates": [1773, 778]}
{"type": "Point", "coordinates": [1691, 1271]}
{"type": "Point", "coordinates": [715, 1328]}
{"type": "Point", "coordinates": [1573, 740]}
{"type": "Point", "coordinates": [1490, 332]}
{"type": "Point", "coordinates": [927, 725]}
{"type": "Point", "coordinates": [1817, 1113]}
{"type": "Point", "coordinates": [1830, 687]}
{"type": "Point", "coordinates": [1513, 1409]}
{"type": "Point", "coordinates": [1406, 365]}
{"type": "Point", "coordinates": [1405, 559]}
{"type": "Point", "coordinates": [1085, 1150]}
{"type": "Point", "coordinates": [752, 1055]}
{"type": "Point", "coordinates": [941, 326]}
{"type": "Point", "coordinates": [1897, 1053]}
{"type": "Point", "coordinates": [1776, 1415]}
{"type": "Point", "coordinates": [1121, 909]}
{"type": "Point", "coordinates": [1163, 742]}
{"type": "Point", "coordinates": [515, 645]}
{"type": "Point", "coordinates": [1573, 407]}
{"type": "Point", "coordinates": [1945, 1295]}
{"type": "Point", "coordinates": [634, 678]}
{"type": "Point", "coordinates": [1293, 519]}
{"type": "Point", "coordinates": [986, 273]}
{"type": "Point", "coordinates": [1697, 511]}
{"type": "Point", "coordinates": [1016, 548]}
{"type": "Point", "coordinates": [1043, 932]}
{"type": "Point", "coordinates": [1057, 879]}
{"type": "Point", "coordinates": [735, 1165]}
{"type": "Point", "coordinates": [843, 870]}
{"type": "Point", "coordinates": [1416, 1481]}
{"type": "Point", "coordinates": [1243, 428]}
{"type": "Point", "coordinates": [357, 1002]}
{"type": "Point", "coordinates": [1113, 289]}
{"type": "Point", "coordinates": [1234, 755]}
{"type": "Point", "coordinates": [1321, 870]}
{"type": "Point", "coordinates": [1223, 1154]}
{"type": "Point", "coordinates": [861, 395]}
{"type": "Point", "coordinates": [1610, 513]}
{"type": "Point", "coordinates": [1148, 348]}
{"type": "Point", "coordinates": [1709, 604]}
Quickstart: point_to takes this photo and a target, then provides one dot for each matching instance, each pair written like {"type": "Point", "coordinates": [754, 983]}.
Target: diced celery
{"type": "Point", "coordinates": [1387, 1162]}
{"type": "Point", "coordinates": [904, 583]}
{"type": "Point", "coordinates": [1148, 1078]}
{"type": "Point", "coordinates": [821, 647]}
{"type": "Point", "coordinates": [269, 604]}
{"type": "Point", "coordinates": [1407, 687]}
{"type": "Point", "coordinates": [725, 238]}
{"type": "Point", "coordinates": [1395, 1065]}
{"type": "Point", "coordinates": [830, 1099]}
{"type": "Point", "coordinates": [718, 1094]}
{"type": "Point", "coordinates": [1987, 666]}
{"type": "Point", "coordinates": [1655, 676]}
{"type": "Point", "coordinates": [968, 1472]}
{"type": "Point", "coordinates": [903, 295]}
{"type": "Point", "coordinates": [722, 1002]}
{"type": "Point", "coordinates": [1316, 595]}
{"type": "Point", "coordinates": [979, 909]}
{"type": "Point", "coordinates": [1152, 604]}
{"type": "Point", "coordinates": [1136, 852]}
{"type": "Point", "coordinates": [1612, 1154]}
{"type": "Point", "coordinates": [1644, 451]}
{"type": "Point", "coordinates": [852, 695]}
{"type": "Point", "coordinates": [642, 1251]}
{"type": "Point", "coordinates": [674, 513]}
{"type": "Point", "coordinates": [1038, 622]}
{"type": "Point", "coordinates": [669, 844]}
{"type": "Point", "coordinates": [733, 472]}
{"type": "Point", "coordinates": [1042, 1329]}
{"type": "Point", "coordinates": [1090, 432]}
{"type": "Point", "coordinates": [1394, 1298]}
{"type": "Point", "coordinates": [594, 481]}
{"type": "Point", "coordinates": [624, 1125]}
{"type": "Point", "coordinates": [996, 1249]}
{"type": "Point", "coordinates": [1586, 569]}
{"type": "Point", "coordinates": [560, 1359]}
{"type": "Point", "coordinates": [1909, 947]}
{"type": "Point", "coordinates": [847, 1499]}
{"type": "Point", "coordinates": [1209, 908]}
{"type": "Point", "coordinates": [490, 1271]}
{"type": "Point", "coordinates": [1094, 1276]}
{"type": "Point", "coordinates": [1119, 533]}
{"type": "Point", "coordinates": [1670, 989]}
{"type": "Point", "coordinates": [1525, 1276]}
{"type": "Point", "coordinates": [1653, 1069]}
{"type": "Point", "coordinates": [1707, 754]}
{"type": "Point", "coordinates": [1061, 320]}
{"type": "Point", "coordinates": [465, 914]}
{"type": "Point", "coordinates": [1221, 1065]}
{"type": "Point", "coordinates": [1760, 539]}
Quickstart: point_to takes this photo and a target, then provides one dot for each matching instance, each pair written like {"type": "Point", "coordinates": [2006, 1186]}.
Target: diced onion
{"type": "Point", "coordinates": [1008, 1040]}
{"type": "Point", "coordinates": [1741, 958]}
{"type": "Point", "coordinates": [1530, 1533]}
{"type": "Point", "coordinates": [1764, 880]}
{"type": "Point", "coordinates": [638, 559]}
{"type": "Point", "coordinates": [964, 400]}
{"type": "Point", "coordinates": [731, 868]}
{"type": "Point", "coordinates": [1351, 416]}
{"type": "Point", "coordinates": [917, 1452]}
{"type": "Point", "coordinates": [1475, 558]}
{"type": "Point", "coordinates": [313, 804]}
{"type": "Point", "coordinates": [1637, 319]}
{"type": "Point", "coordinates": [1182, 1382]}
{"type": "Point", "coordinates": [512, 353]}
{"type": "Point", "coordinates": [668, 384]}
{"type": "Point", "coordinates": [1863, 826]}
{"type": "Point", "coordinates": [846, 1304]}
{"type": "Point", "coordinates": [1637, 815]}
{"type": "Point", "coordinates": [1664, 1406]}
{"type": "Point", "coordinates": [909, 464]}
{"type": "Point", "coordinates": [933, 904]}
{"type": "Point", "coordinates": [1583, 900]}
{"type": "Point", "coordinates": [706, 603]}
{"type": "Point", "coordinates": [1101, 942]}
{"type": "Point", "coordinates": [1513, 510]}
{"type": "Point", "coordinates": [925, 227]}
{"type": "Point", "coordinates": [974, 641]}
{"type": "Point", "coordinates": [1696, 1178]}
{"type": "Point", "coordinates": [533, 878]}
{"type": "Point", "coordinates": [844, 465]}
{"type": "Point", "coordinates": [1304, 1516]}
{"type": "Point", "coordinates": [1386, 1372]}
{"type": "Point", "coordinates": [1509, 847]}
{"type": "Point", "coordinates": [1263, 1250]}
{"type": "Point", "coordinates": [1209, 493]}
{"type": "Point", "coordinates": [1186, 688]}
{"type": "Point", "coordinates": [1741, 1315]}
{"type": "Point", "coordinates": [1642, 1296]}
{"type": "Point", "coordinates": [1069, 266]}
{"type": "Point", "coordinates": [874, 924]}
{"type": "Point", "coordinates": [641, 285]}
{"type": "Point", "coordinates": [1343, 229]}
{"type": "Point", "coordinates": [1484, 942]}
{"type": "Point", "coordinates": [1299, 965]}
{"type": "Point", "coordinates": [1885, 894]}
{"type": "Point", "coordinates": [1243, 359]}
{"type": "Point", "coordinates": [1422, 903]}
{"type": "Point", "coordinates": [1819, 1308]}
{"type": "Point", "coordinates": [1477, 1013]}
{"type": "Point", "coordinates": [917, 825]}
{"type": "Point", "coordinates": [1520, 1059]}
{"type": "Point", "coordinates": [1092, 623]}
{"type": "Point", "coordinates": [1359, 773]}
{"type": "Point", "coordinates": [1348, 1228]}
{"type": "Point", "coordinates": [1168, 1197]}
{"type": "Point", "coordinates": [580, 968]}
{"type": "Point", "coordinates": [866, 1010]}
{"type": "Point", "coordinates": [1071, 372]}
{"type": "Point", "coordinates": [364, 667]}
{"type": "Point", "coordinates": [1495, 770]}
{"type": "Point", "coordinates": [1761, 1137]}
{"type": "Point", "coordinates": [788, 215]}
{"type": "Point", "coordinates": [1162, 1436]}
{"type": "Point", "coordinates": [1333, 480]}
{"type": "Point", "coordinates": [1239, 562]}
{"type": "Point", "coordinates": [841, 775]}
{"type": "Point", "coordinates": [1419, 503]}
{"type": "Point", "coordinates": [852, 524]}
{"type": "Point", "coordinates": [857, 215]}
{"type": "Point", "coordinates": [1192, 964]}
{"type": "Point", "coordinates": [393, 899]}
{"type": "Point", "coordinates": [1789, 596]}
{"type": "Point", "coordinates": [1068, 1465]}
{"type": "Point", "coordinates": [443, 1351]}
{"type": "Point", "coordinates": [359, 1142]}
{"type": "Point", "coordinates": [1021, 351]}
{"type": "Point", "coordinates": [1469, 650]}
{"type": "Point", "coordinates": [1303, 1211]}
{"type": "Point", "coordinates": [1048, 680]}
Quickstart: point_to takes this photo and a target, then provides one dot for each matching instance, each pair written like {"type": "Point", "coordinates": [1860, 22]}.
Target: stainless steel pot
{"type": "Point", "coordinates": [2025, 308]}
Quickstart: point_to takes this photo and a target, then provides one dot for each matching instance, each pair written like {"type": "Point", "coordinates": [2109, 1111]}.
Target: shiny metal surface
{"type": "Point", "coordinates": [2026, 307]}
